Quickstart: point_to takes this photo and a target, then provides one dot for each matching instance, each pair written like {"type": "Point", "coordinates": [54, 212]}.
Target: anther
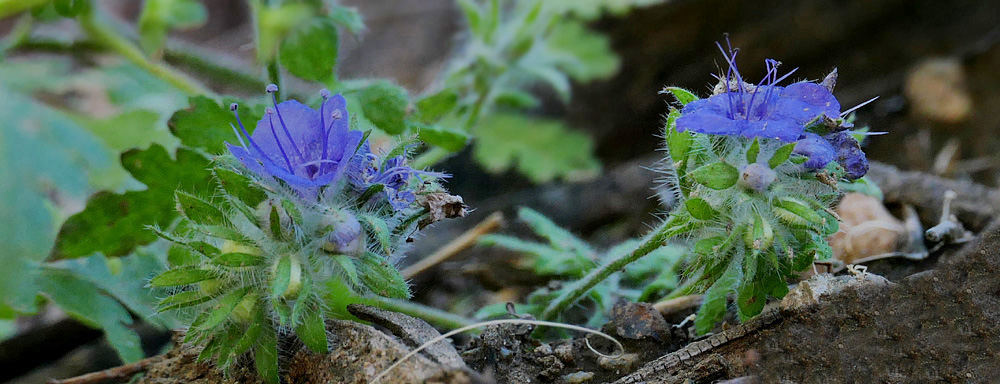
{"type": "Point", "coordinates": [269, 110]}
{"type": "Point", "coordinates": [336, 115]}
{"type": "Point", "coordinates": [271, 88]}
{"type": "Point", "coordinates": [324, 93]}
{"type": "Point", "coordinates": [233, 107]}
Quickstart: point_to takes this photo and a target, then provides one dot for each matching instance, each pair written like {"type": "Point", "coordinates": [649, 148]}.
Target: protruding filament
{"type": "Point", "coordinates": [270, 120]}
{"type": "Point", "coordinates": [273, 89]}
{"type": "Point", "coordinates": [234, 107]}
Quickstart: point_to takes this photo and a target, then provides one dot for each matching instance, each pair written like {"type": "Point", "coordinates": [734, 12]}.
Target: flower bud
{"type": "Point", "coordinates": [756, 177]}
{"type": "Point", "coordinates": [796, 213]}
{"type": "Point", "coordinates": [342, 232]}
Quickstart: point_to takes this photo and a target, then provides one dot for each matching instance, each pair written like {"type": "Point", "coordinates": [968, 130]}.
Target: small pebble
{"type": "Point", "coordinates": [577, 377]}
{"type": "Point", "coordinates": [937, 90]}
{"type": "Point", "coordinates": [544, 349]}
{"type": "Point", "coordinates": [624, 362]}
{"type": "Point", "coordinates": [565, 353]}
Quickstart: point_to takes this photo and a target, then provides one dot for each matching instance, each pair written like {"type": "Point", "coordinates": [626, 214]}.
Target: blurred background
{"type": "Point", "coordinates": [932, 64]}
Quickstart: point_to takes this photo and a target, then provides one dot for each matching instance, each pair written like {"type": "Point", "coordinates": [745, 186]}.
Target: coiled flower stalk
{"type": "Point", "coordinates": [754, 169]}
{"type": "Point", "coordinates": [305, 220]}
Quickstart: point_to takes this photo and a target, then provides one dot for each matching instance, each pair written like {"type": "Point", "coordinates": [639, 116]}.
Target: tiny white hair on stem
{"type": "Point", "coordinates": [621, 348]}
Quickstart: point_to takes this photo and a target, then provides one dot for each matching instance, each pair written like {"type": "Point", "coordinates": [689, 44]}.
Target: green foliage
{"type": "Point", "coordinates": [384, 104]}
{"type": "Point", "coordinates": [716, 175]}
{"type": "Point", "coordinates": [863, 185]}
{"type": "Point", "coordinates": [381, 276]}
{"type": "Point", "coordinates": [565, 255]}
{"type": "Point", "coordinates": [346, 17]}
{"type": "Point", "coordinates": [433, 107]}
{"type": "Point", "coordinates": [445, 138]}
{"type": "Point", "coordinates": [160, 16]}
{"type": "Point", "coordinates": [580, 53]}
{"type": "Point", "coordinates": [115, 223]}
{"type": "Point", "coordinates": [514, 46]}
{"type": "Point", "coordinates": [753, 151]}
{"type": "Point", "coordinates": [781, 155]}
{"type": "Point", "coordinates": [700, 209]}
{"type": "Point", "coordinates": [782, 226]}
{"type": "Point", "coordinates": [101, 291]}
{"type": "Point", "coordinates": [85, 302]}
{"type": "Point", "coordinates": [310, 51]}
{"type": "Point", "coordinates": [133, 129]}
{"type": "Point", "coordinates": [682, 95]}
{"type": "Point", "coordinates": [254, 257]}
{"type": "Point", "coordinates": [592, 9]}
{"type": "Point", "coordinates": [71, 8]}
{"type": "Point", "coordinates": [207, 125]}
{"type": "Point", "coordinates": [54, 157]}
{"type": "Point", "coordinates": [46, 159]}
{"type": "Point", "coordinates": [274, 23]}
{"type": "Point", "coordinates": [545, 149]}
{"type": "Point", "coordinates": [678, 143]}
{"type": "Point", "coordinates": [568, 257]}
{"type": "Point", "coordinates": [713, 307]}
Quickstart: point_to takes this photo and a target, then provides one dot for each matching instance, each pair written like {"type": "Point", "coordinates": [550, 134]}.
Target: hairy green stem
{"type": "Point", "coordinates": [120, 45]}
{"type": "Point", "coordinates": [431, 315]}
{"type": "Point", "coordinates": [203, 63]}
{"type": "Point", "coordinates": [671, 227]}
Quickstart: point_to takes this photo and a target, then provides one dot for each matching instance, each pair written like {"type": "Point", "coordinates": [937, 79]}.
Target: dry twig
{"type": "Point", "coordinates": [459, 244]}
{"type": "Point", "coordinates": [123, 372]}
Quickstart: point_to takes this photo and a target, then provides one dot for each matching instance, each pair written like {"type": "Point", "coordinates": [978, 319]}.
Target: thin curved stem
{"type": "Point", "coordinates": [122, 46]}
{"type": "Point", "coordinates": [671, 227]}
{"type": "Point", "coordinates": [431, 315]}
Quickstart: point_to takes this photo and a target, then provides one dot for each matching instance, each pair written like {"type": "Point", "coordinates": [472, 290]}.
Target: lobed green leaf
{"type": "Point", "coordinates": [115, 224]}
{"type": "Point", "coordinates": [433, 107]}
{"type": "Point", "coordinates": [310, 51]}
{"type": "Point", "coordinates": [540, 149]}
{"type": "Point", "coordinates": [384, 104]}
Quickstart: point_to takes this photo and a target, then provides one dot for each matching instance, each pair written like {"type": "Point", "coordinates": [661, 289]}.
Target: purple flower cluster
{"type": "Point", "coordinates": [309, 149]}
{"type": "Point", "coordinates": [366, 170]}
{"type": "Point", "coordinates": [767, 110]}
